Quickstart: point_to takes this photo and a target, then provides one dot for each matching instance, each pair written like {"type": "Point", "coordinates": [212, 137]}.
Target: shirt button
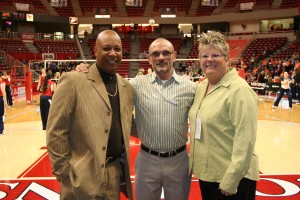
{"type": "Point", "coordinates": [103, 148]}
{"type": "Point", "coordinates": [106, 130]}
{"type": "Point", "coordinates": [108, 114]}
{"type": "Point", "coordinates": [102, 166]}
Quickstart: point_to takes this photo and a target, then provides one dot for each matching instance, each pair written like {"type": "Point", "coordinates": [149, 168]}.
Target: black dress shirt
{"type": "Point", "coordinates": [115, 139]}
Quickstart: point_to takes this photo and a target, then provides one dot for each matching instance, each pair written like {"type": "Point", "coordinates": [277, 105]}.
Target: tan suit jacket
{"type": "Point", "coordinates": [78, 128]}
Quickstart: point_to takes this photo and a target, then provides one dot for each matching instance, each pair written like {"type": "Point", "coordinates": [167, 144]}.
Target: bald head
{"type": "Point", "coordinates": [161, 57]}
{"type": "Point", "coordinates": [161, 41]}
{"type": "Point", "coordinates": [107, 34]}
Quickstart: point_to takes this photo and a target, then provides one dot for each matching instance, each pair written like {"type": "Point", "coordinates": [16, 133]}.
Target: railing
{"type": "Point", "coordinates": [52, 36]}
{"type": "Point", "coordinates": [37, 36]}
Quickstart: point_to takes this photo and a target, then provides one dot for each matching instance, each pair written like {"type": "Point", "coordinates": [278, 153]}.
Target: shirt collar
{"type": "Point", "coordinates": [107, 78]}
{"type": "Point", "coordinates": [229, 77]}
{"type": "Point", "coordinates": [176, 77]}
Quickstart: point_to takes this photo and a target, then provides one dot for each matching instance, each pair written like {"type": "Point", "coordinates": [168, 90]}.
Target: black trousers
{"type": "Point", "coordinates": [246, 191]}
{"type": "Point", "coordinates": [2, 111]}
{"type": "Point", "coordinates": [44, 109]}
{"type": "Point", "coordinates": [8, 95]}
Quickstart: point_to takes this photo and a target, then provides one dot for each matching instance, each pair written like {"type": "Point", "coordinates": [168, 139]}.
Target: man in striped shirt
{"type": "Point", "coordinates": [162, 102]}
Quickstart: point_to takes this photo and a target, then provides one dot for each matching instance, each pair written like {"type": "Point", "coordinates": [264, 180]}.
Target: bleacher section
{"type": "Point", "coordinates": [66, 11]}
{"type": "Point", "coordinates": [52, 46]}
{"type": "Point", "coordinates": [12, 45]}
{"type": "Point", "coordinates": [262, 48]}
{"type": "Point", "coordinates": [193, 54]}
{"type": "Point", "coordinates": [263, 3]}
{"type": "Point", "coordinates": [293, 50]}
{"type": "Point", "coordinates": [181, 6]}
{"type": "Point", "coordinates": [136, 11]}
{"type": "Point", "coordinates": [204, 10]}
{"type": "Point", "coordinates": [289, 4]}
{"type": "Point", "coordinates": [36, 4]}
{"type": "Point", "coordinates": [91, 5]}
{"type": "Point", "coordinates": [6, 3]}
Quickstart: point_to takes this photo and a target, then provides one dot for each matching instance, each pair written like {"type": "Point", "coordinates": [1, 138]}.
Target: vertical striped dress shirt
{"type": "Point", "coordinates": [161, 110]}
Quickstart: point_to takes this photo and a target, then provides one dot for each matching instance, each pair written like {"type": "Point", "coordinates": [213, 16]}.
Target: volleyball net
{"type": "Point", "coordinates": [27, 77]}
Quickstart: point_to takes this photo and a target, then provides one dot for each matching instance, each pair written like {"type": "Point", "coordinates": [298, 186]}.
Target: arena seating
{"type": "Point", "coordinates": [192, 54]}
{"type": "Point", "coordinates": [262, 47]}
{"type": "Point", "coordinates": [91, 5]}
{"type": "Point", "coordinates": [12, 45]}
{"type": "Point", "coordinates": [294, 48]}
{"type": "Point", "coordinates": [289, 4]}
{"type": "Point", "coordinates": [266, 3]}
{"type": "Point", "coordinates": [204, 10]}
{"type": "Point", "coordinates": [6, 3]}
{"type": "Point", "coordinates": [46, 46]}
{"type": "Point", "coordinates": [36, 4]}
{"type": "Point", "coordinates": [66, 11]}
{"type": "Point", "coordinates": [133, 11]}
{"type": "Point", "coordinates": [182, 6]}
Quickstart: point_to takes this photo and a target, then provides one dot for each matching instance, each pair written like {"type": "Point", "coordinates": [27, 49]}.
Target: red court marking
{"type": "Point", "coordinates": [39, 175]}
{"type": "Point", "coordinates": [40, 168]}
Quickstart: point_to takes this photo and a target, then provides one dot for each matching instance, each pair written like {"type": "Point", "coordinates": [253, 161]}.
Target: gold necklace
{"type": "Point", "coordinates": [113, 95]}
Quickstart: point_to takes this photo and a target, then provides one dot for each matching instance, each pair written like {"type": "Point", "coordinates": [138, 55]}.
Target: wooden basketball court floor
{"type": "Point", "coordinates": [25, 172]}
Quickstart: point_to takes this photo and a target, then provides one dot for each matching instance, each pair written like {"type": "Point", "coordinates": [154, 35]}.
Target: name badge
{"type": "Point", "coordinates": [198, 128]}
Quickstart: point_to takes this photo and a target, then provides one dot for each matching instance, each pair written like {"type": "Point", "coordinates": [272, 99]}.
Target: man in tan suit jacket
{"type": "Point", "coordinates": [89, 126]}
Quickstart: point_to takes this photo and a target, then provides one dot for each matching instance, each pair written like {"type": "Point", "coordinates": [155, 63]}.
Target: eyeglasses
{"type": "Point", "coordinates": [213, 56]}
{"type": "Point", "coordinates": [156, 54]}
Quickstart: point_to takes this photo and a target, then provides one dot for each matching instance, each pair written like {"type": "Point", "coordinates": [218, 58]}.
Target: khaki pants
{"type": "Point", "coordinates": [109, 189]}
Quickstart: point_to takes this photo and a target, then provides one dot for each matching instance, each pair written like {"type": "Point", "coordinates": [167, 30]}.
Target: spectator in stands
{"type": "Point", "coordinates": [140, 72]}
{"type": "Point", "coordinates": [196, 76]}
{"type": "Point", "coordinates": [149, 71]}
{"type": "Point", "coordinates": [3, 104]}
{"type": "Point", "coordinates": [56, 77]}
{"type": "Point", "coordinates": [223, 122]}
{"type": "Point", "coordinates": [293, 85]}
{"type": "Point", "coordinates": [182, 67]}
{"type": "Point", "coordinates": [85, 35]}
{"type": "Point", "coordinates": [285, 88]}
{"type": "Point", "coordinates": [126, 53]}
{"type": "Point", "coordinates": [47, 90]}
{"type": "Point", "coordinates": [6, 79]}
{"type": "Point", "coordinates": [53, 67]}
{"type": "Point", "coordinates": [267, 76]}
{"type": "Point", "coordinates": [297, 80]}
{"type": "Point", "coordinates": [261, 77]}
{"type": "Point", "coordinates": [89, 127]}
{"type": "Point", "coordinates": [185, 40]}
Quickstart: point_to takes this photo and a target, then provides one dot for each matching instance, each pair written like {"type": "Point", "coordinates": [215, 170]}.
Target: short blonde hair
{"type": "Point", "coordinates": [215, 39]}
